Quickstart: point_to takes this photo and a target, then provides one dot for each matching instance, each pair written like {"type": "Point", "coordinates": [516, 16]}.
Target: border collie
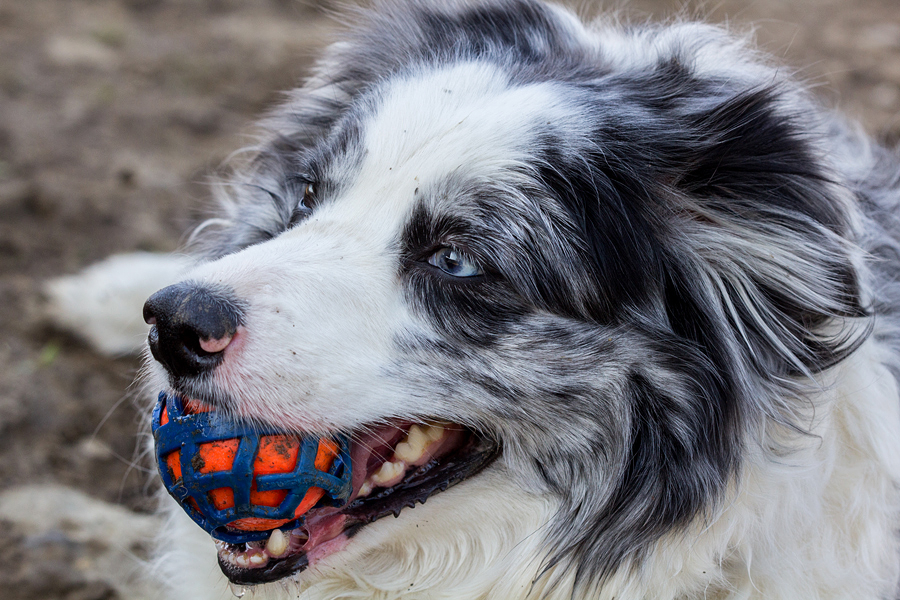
{"type": "Point", "coordinates": [629, 291]}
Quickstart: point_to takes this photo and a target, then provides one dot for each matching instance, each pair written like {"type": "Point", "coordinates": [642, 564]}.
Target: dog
{"type": "Point", "coordinates": [608, 311]}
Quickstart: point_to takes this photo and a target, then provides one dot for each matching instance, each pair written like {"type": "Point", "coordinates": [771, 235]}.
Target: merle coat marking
{"type": "Point", "coordinates": [683, 335]}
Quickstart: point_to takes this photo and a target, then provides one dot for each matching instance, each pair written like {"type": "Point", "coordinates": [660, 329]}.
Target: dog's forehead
{"type": "Point", "coordinates": [468, 122]}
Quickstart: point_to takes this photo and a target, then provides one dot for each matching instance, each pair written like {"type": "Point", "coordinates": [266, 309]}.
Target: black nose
{"type": "Point", "coordinates": [192, 325]}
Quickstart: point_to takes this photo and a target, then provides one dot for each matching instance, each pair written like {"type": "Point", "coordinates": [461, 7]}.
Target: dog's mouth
{"type": "Point", "coordinates": [394, 467]}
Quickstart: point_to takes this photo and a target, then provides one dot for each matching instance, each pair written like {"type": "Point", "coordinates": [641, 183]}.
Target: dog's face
{"type": "Point", "coordinates": [526, 256]}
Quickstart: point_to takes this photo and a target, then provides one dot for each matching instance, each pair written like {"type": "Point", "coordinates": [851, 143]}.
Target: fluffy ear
{"type": "Point", "coordinates": [760, 293]}
{"type": "Point", "coordinates": [754, 291]}
{"type": "Point", "coordinates": [766, 229]}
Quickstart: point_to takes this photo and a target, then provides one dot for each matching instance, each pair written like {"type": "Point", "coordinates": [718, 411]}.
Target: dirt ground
{"type": "Point", "coordinates": [113, 113]}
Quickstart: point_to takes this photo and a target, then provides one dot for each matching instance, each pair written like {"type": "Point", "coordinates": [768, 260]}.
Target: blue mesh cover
{"type": "Point", "coordinates": [185, 432]}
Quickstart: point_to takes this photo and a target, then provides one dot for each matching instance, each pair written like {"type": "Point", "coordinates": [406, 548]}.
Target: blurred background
{"type": "Point", "coordinates": [113, 116]}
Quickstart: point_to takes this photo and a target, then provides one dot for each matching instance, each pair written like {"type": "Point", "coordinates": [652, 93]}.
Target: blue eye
{"type": "Point", "coordinates": [453, 262]}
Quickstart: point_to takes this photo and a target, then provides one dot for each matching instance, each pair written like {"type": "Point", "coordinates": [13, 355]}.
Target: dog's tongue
{"type": "Point", "coordinates": [325, 529]}
{"type": "Point", "coordinates": [325, 525]}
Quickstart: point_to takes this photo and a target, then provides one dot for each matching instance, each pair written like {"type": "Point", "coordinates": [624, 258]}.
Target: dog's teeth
{"type": "Point", "coordinates": [388, 472]}
{"type": "Point", "coordinates": [404, 451]}
{"type": "Point", "coordinates": [227, 556]}
{"type": "Point", "coordinates": [258, 559]}
{"type": "Point", "coordinates": [366, 489]}
{"type": "Point", "coordinates": [413, 447]}
{"type": "Point", "coordinates": [242, 560]}
{"type": "Point", "coordinates": [277, 544]}
{"type": "Point", "coordinates": [419, 438]}
{"type": "Point", "coordinates": [434, 432]}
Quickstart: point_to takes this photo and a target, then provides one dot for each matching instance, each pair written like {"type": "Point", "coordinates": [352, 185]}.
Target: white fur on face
{"type": "Point", "coordinates": [324, 299]}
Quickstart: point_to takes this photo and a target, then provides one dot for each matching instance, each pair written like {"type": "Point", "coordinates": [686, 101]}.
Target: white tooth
{"type": "Point", "coordinates": [434, 432]}
{"type": "Point", "coordinates": [407, 452]}
{"type": "Point", "coordinates": [413, 447]}
{"type": "Point", "coordinates": [277, 544]}
{"type": "Point", "coordinates": [258, 559]}
{"type": "Point", "coordinates": [242, 560]}
{"type": "Point", "coordinates": [365, 490]}
{"type": "Point", "coordinates": [387, 472]}
{"type": "Point", "coordinates": [417, 436]}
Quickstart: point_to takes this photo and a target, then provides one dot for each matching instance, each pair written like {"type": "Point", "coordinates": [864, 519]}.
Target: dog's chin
{"type": "Point", "coordinates": [395, 467]}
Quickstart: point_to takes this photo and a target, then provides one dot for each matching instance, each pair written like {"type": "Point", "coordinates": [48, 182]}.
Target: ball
{"type": "Point", "coordinates": [276, 454]}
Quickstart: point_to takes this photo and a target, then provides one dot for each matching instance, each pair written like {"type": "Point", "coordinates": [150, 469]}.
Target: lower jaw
{"type": "Point", "coordinates": [328, 532]}
{"type": "Point", "coordinates": [275, 569]}
{"type": "Point", "coordinates": [271, 568]}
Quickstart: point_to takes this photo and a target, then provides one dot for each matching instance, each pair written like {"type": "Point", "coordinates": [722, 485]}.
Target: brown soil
{"type": "Point", "coordinates": [114, 112]}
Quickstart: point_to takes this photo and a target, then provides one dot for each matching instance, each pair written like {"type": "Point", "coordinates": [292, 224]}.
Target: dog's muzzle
{"type": "Point", "coordinates": [240, 481]}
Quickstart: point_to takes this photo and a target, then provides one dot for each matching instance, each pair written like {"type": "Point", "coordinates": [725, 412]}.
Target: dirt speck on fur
{"type": "Point", "coordinates": [113, 114]}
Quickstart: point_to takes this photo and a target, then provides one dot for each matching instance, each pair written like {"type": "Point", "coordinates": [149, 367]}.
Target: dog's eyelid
{"type": "Point", "coordinates": [303, 184]}
{"type": "Point", "coordinates": [425, 252]}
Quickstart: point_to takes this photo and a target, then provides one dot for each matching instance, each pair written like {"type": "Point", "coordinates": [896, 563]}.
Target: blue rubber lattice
{"type": "Point", "coordinates": [186, 432]}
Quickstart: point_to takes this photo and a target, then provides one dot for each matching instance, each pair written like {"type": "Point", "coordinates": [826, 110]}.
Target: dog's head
{"type": "Point", "coordinates": [584, 266]}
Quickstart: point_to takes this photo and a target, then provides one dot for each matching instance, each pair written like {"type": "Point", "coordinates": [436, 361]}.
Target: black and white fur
{"type": "Point", "coordinates": [685, 337]}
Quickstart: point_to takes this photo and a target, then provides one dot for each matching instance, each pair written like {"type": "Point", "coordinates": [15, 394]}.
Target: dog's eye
{"type": "Point", "coordinates": [306, 203]}
{"type": "Point", "coordinates": [453, 262]}
{"type": "Point", "coordinates": [309, 196]}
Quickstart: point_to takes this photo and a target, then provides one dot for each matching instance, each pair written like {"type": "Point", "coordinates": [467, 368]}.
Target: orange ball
{"type": "Point", "coordinates": [276, 454]}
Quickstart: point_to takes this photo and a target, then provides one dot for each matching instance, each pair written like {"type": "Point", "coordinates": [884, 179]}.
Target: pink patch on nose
{"type": "Point", "coordinates": [217, 345]}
